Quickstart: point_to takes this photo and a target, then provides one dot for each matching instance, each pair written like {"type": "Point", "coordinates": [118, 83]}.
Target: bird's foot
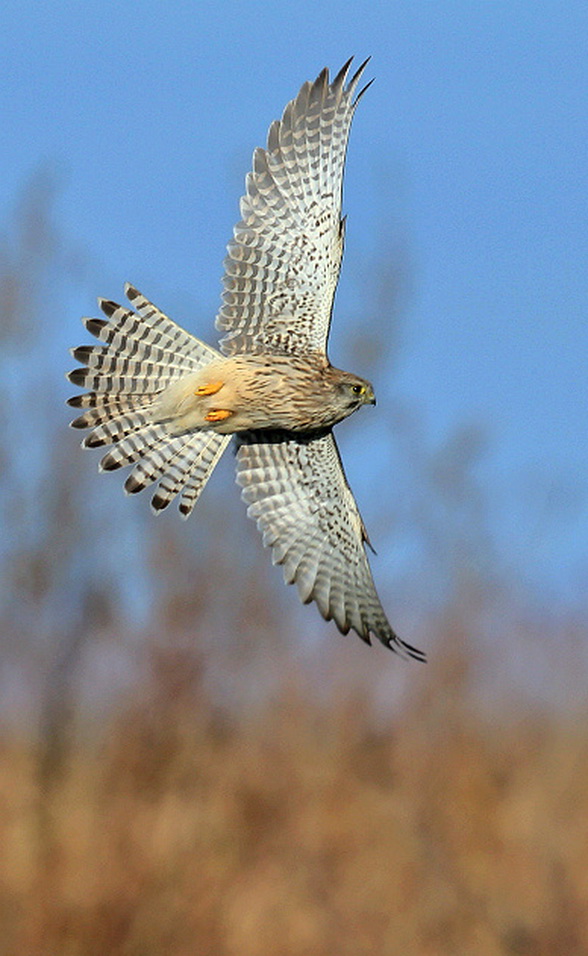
{"type": "Point", "coordinates": [217, 415]}
{"type": "Point", "coordinates": [211, 388]}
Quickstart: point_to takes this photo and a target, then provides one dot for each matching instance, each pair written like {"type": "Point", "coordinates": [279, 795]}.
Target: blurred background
{"type": "Point", "coordinates": [190, 761]}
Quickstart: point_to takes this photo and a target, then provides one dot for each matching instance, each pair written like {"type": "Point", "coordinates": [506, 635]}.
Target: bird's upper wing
{"type": "Point", "coordinates": [283, 263]}
{"type": "Point", "coordinates": [298, 494]}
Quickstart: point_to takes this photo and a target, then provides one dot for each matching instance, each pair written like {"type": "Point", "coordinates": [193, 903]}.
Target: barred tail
{"type": "Point", "coordinates": [141, 354]}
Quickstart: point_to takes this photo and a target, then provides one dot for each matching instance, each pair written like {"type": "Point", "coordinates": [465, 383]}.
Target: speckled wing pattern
{"type": "Point", "coordinates": [280, 279]}
{"type": "Point", "coordinates": [283, 263]}
{"type": "Point", "coordinates": [297, 493]}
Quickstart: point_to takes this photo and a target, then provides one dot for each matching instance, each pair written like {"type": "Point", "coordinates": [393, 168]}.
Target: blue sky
{"type": "Point", "coordinates": [469, 150]}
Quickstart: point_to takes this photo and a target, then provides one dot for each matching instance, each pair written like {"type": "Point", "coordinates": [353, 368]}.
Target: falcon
{"type": "Point", "coordinates": [169, 404]}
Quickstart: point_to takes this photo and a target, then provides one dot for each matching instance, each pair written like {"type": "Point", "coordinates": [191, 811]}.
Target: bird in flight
{"type": "Point", "coordinates": [169, 404]}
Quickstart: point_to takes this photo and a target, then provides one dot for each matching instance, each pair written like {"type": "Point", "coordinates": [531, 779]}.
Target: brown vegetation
{"type": "Point", "coordinates": [305, 829]}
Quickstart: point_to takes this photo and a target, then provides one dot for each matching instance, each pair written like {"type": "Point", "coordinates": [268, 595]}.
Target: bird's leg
{"type": "Point", "coordinates": [211, 388]}
{"type": "Point", "coordinates": [217, 415]}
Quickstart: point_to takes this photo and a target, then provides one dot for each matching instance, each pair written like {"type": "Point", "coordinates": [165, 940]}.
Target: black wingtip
{"type": "Point", "coordinates": [359, 71]}
{"type": "Point", "coordinates": [342, 74]}
{"type": "Point", "coordinates": [407, 650]}
{"type": "Point", "coordinates": [363, 90]}
{"type": "Point", "coordinates": [355, 80]}
{"type": "Point", "coordinates": [323, 77]}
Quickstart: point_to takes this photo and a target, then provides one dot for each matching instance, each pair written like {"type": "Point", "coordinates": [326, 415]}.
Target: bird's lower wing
{"type": "Point", "coordinates": [297, 492]}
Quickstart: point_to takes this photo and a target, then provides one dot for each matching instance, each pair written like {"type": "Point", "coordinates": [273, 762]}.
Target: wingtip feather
{"type": "Point", "coordinates": [353, 82]}
{"type": "Point", "coordinates": [407, 651]}
{"type": "Point", "coordinates": [339, 80]}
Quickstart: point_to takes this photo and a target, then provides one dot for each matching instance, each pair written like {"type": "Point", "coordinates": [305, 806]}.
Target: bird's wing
{"type": "Point", "coordinates": [298, 494]}
{"type": "Point", "coordinates": [283, 263]}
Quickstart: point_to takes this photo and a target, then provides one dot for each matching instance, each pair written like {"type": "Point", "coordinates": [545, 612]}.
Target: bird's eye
{"type": "Point", "coordinates": [358, 389]}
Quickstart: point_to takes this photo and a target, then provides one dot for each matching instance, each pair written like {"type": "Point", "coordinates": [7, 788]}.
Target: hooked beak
{"type": "Point", "coordinates": [370, 397]}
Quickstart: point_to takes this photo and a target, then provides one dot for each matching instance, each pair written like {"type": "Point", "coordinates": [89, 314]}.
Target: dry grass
{"type": "Point", "coordinates": [301, 830]}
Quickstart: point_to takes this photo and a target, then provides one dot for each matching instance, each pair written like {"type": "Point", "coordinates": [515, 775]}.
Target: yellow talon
{"type": "Point", "coordinates": [211, 389]}
{"type": "Point", "coordinates": [217, 415]}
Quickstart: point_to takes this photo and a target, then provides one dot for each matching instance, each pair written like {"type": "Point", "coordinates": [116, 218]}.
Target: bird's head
{"type": "Point", "coordinates": [353, 391]}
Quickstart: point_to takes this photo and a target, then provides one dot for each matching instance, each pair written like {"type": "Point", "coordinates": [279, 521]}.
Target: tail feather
{"type": "Point", "coordinates": [133, 361]}
{"type": "Point", "coordinates": [140, 355]}
{"type": "Point", "coordinates": [141, 383]}
{"type": "Point", "coordinates": [115, 429]}
{"type": "Point", "coordinates": [136, 445]}
{"type": "Point", "coordinates": [187, 459]}
{"type": "Point", "coordinates": [147, 343]}
{"type": "Point", "coordinates": [102, 408]}
{"type": "Point", "coordinates": [115, 365]}
{"type": "Point", "coordinates": [166, 333]}
{"type": "Point", "coordinates": [156, 461]}
{"type": "Point", "coordinates": [199, 476]}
